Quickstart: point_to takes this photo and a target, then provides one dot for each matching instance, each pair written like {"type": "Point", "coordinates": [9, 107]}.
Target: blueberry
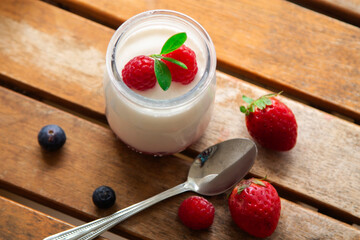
{"type": "Point", "coordinates": [104, 197]}
{"type": "Point", "coordinates": [51, 137]}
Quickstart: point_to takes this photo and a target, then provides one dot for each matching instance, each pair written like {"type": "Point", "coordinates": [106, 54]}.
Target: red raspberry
{"type": "Point", "coordinates": [139, 73]}
{"type": "Point", "coordinates": [196, 213]}
{"type": "Point", "coordinates": [186, 56]}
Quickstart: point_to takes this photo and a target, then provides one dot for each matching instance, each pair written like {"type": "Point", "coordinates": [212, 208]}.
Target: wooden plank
{"type": "Point", "coordinates": [344, 10]}
{"type": "Point", "coordinates": [350, 5]}
{"type": "Point", "coordinates": [45, 51]}
{"type": "Point", "coordinates": [327, 148]}
{"type": "Point", "coordinates": [20, 222]}
{"type": "Point", "coordinates": [92, 156]}
{"type": "Point", "coordinates": [300, 170]}
{"type": "Point", "coordinates": [277, 43]}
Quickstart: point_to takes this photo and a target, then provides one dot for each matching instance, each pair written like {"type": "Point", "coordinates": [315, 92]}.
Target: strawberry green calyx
{"type": "Point", "coordinates": [243, 187]}
{"type": "Point", "coordinates": [260, 103]}
{"type": "Point", "coordinates": [258, 182]}
{"type": "Point", "coordinates": [247, 183]}
{"type": "Point", "coordinates": [256, 210]}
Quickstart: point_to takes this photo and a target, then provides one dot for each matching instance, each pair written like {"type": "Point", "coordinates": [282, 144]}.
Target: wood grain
{"type": "Point", "coordinates": [327, 149]}
{"type": "Point", "coordinates": [44, 51]}
{"type": "Point", "coordinates": [20, 222]}
{"type": "Point", "coordinates": [277, 43]}
{"type": "Point", "coordinates": [92, 156]}
{"type": "Point", "coordinates": [344, 10]}
{"type": "Point", "coordinates": [351, 5]}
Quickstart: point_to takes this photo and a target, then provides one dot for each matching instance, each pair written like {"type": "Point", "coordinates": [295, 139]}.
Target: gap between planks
{"type": "Point", "coordinates": [187, 159]}
{"type": "Point", "coordinates": [55, 101]}
{"type": "Point", "coordinates": [340, 13]}
{"type": "Point", "coordinates": [222, 67]}
{"type": "Point", "coordinates": [277, 89]}
{"type": "Point", "coordinates": [70, 216]}
{"type": "Point", "coordinates": [86, 114]}
{"type": "Point", "coordinates": [51, 212]}
{"type": "Point", "coordinates": [187, 155]}
{"type": "Point", "coordinates": [331, 10]}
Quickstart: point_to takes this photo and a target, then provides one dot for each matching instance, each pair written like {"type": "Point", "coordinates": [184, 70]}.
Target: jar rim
{"type": "Point", "coordinates": [121, 87]}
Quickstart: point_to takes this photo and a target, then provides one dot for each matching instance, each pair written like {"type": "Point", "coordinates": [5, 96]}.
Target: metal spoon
{"type": "Point", "coordinates": [214, 171]}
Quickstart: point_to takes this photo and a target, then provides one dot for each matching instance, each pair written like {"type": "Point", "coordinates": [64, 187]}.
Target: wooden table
{"type": "Point", "coordinates": [52, 61]}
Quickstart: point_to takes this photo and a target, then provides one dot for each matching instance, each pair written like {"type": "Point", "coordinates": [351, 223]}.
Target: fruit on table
{"type": "Point", "coordinates": [270, 122]}
{"type": "Point", "coordinates": [255, 207]}
{"type": "Point", "coordinates": [51, 137]}
{"type": "Point", "coordinates": [196, 213]}
{"type": "Point", "coordinates": [104, 197]}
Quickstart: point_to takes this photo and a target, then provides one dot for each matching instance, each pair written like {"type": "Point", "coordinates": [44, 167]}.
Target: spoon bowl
{"type": "Point", "coordinates": [221, 166]}
{"type": "Point", "coordinates": [214, 171]}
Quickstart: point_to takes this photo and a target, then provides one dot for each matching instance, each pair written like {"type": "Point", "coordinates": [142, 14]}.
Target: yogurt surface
{"type": "Point", "coordinates": [155, 121]}
{"type": "Point", "coordinates": [149, 40]}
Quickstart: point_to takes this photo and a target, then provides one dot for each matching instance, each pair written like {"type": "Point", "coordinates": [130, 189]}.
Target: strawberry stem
{"type": "Point", "coordinates": [260, 103]}
{"type": "Point", "coordinates": [258, 182]}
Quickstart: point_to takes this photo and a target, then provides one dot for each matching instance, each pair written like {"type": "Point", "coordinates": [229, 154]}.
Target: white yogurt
{"type": "Point", "coordinates": [156, 121]}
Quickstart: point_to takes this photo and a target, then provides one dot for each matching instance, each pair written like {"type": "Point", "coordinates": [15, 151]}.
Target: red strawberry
{"type": "Point", "coordinates": [186, 56]}
{"type": "Point", "coordinates": [196, 213]}
{"type": "Point", "coordinates": [270, 122]}
{"type": "Point", "coordinates": [255, 207]}
{"type": "Point", "coordinates": [139, 73]}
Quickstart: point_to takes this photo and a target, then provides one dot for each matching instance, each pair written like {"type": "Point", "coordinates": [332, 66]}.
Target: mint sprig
{"type": "Point", "coordinates": [162, 71]}
{"type": "Point", "coordinates": [175, 61]}
{"type": "Point", "coordinates": [260, 103]}
{"type": "Point", "coordinates": [173, 43]}
{"type": "Point", "coordinates": [162, 74]}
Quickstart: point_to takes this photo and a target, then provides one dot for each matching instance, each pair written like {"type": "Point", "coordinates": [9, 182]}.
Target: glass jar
{"type": "Point", "coordinates": [166, 125]}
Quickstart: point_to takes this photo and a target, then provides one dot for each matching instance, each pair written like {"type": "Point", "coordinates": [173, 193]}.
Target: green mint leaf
{"type": "Point", "coordinates": [175, 62]}
{"type": "Point", "coordinates": [247, 99]}
{"type": "Point", "coordinates": [173, 43]}
{"type": "Point", "coordinates": [155, 56]}
{"type": "Point", "coordinates": [162, 74]}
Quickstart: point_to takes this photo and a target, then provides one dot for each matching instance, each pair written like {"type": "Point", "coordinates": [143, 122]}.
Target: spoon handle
{"type": "Point", "coordinates": [95, 228]}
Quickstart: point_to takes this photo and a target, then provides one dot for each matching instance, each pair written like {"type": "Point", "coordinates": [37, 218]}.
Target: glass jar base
{"type": "Point", "coordinates": [154, 154]}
